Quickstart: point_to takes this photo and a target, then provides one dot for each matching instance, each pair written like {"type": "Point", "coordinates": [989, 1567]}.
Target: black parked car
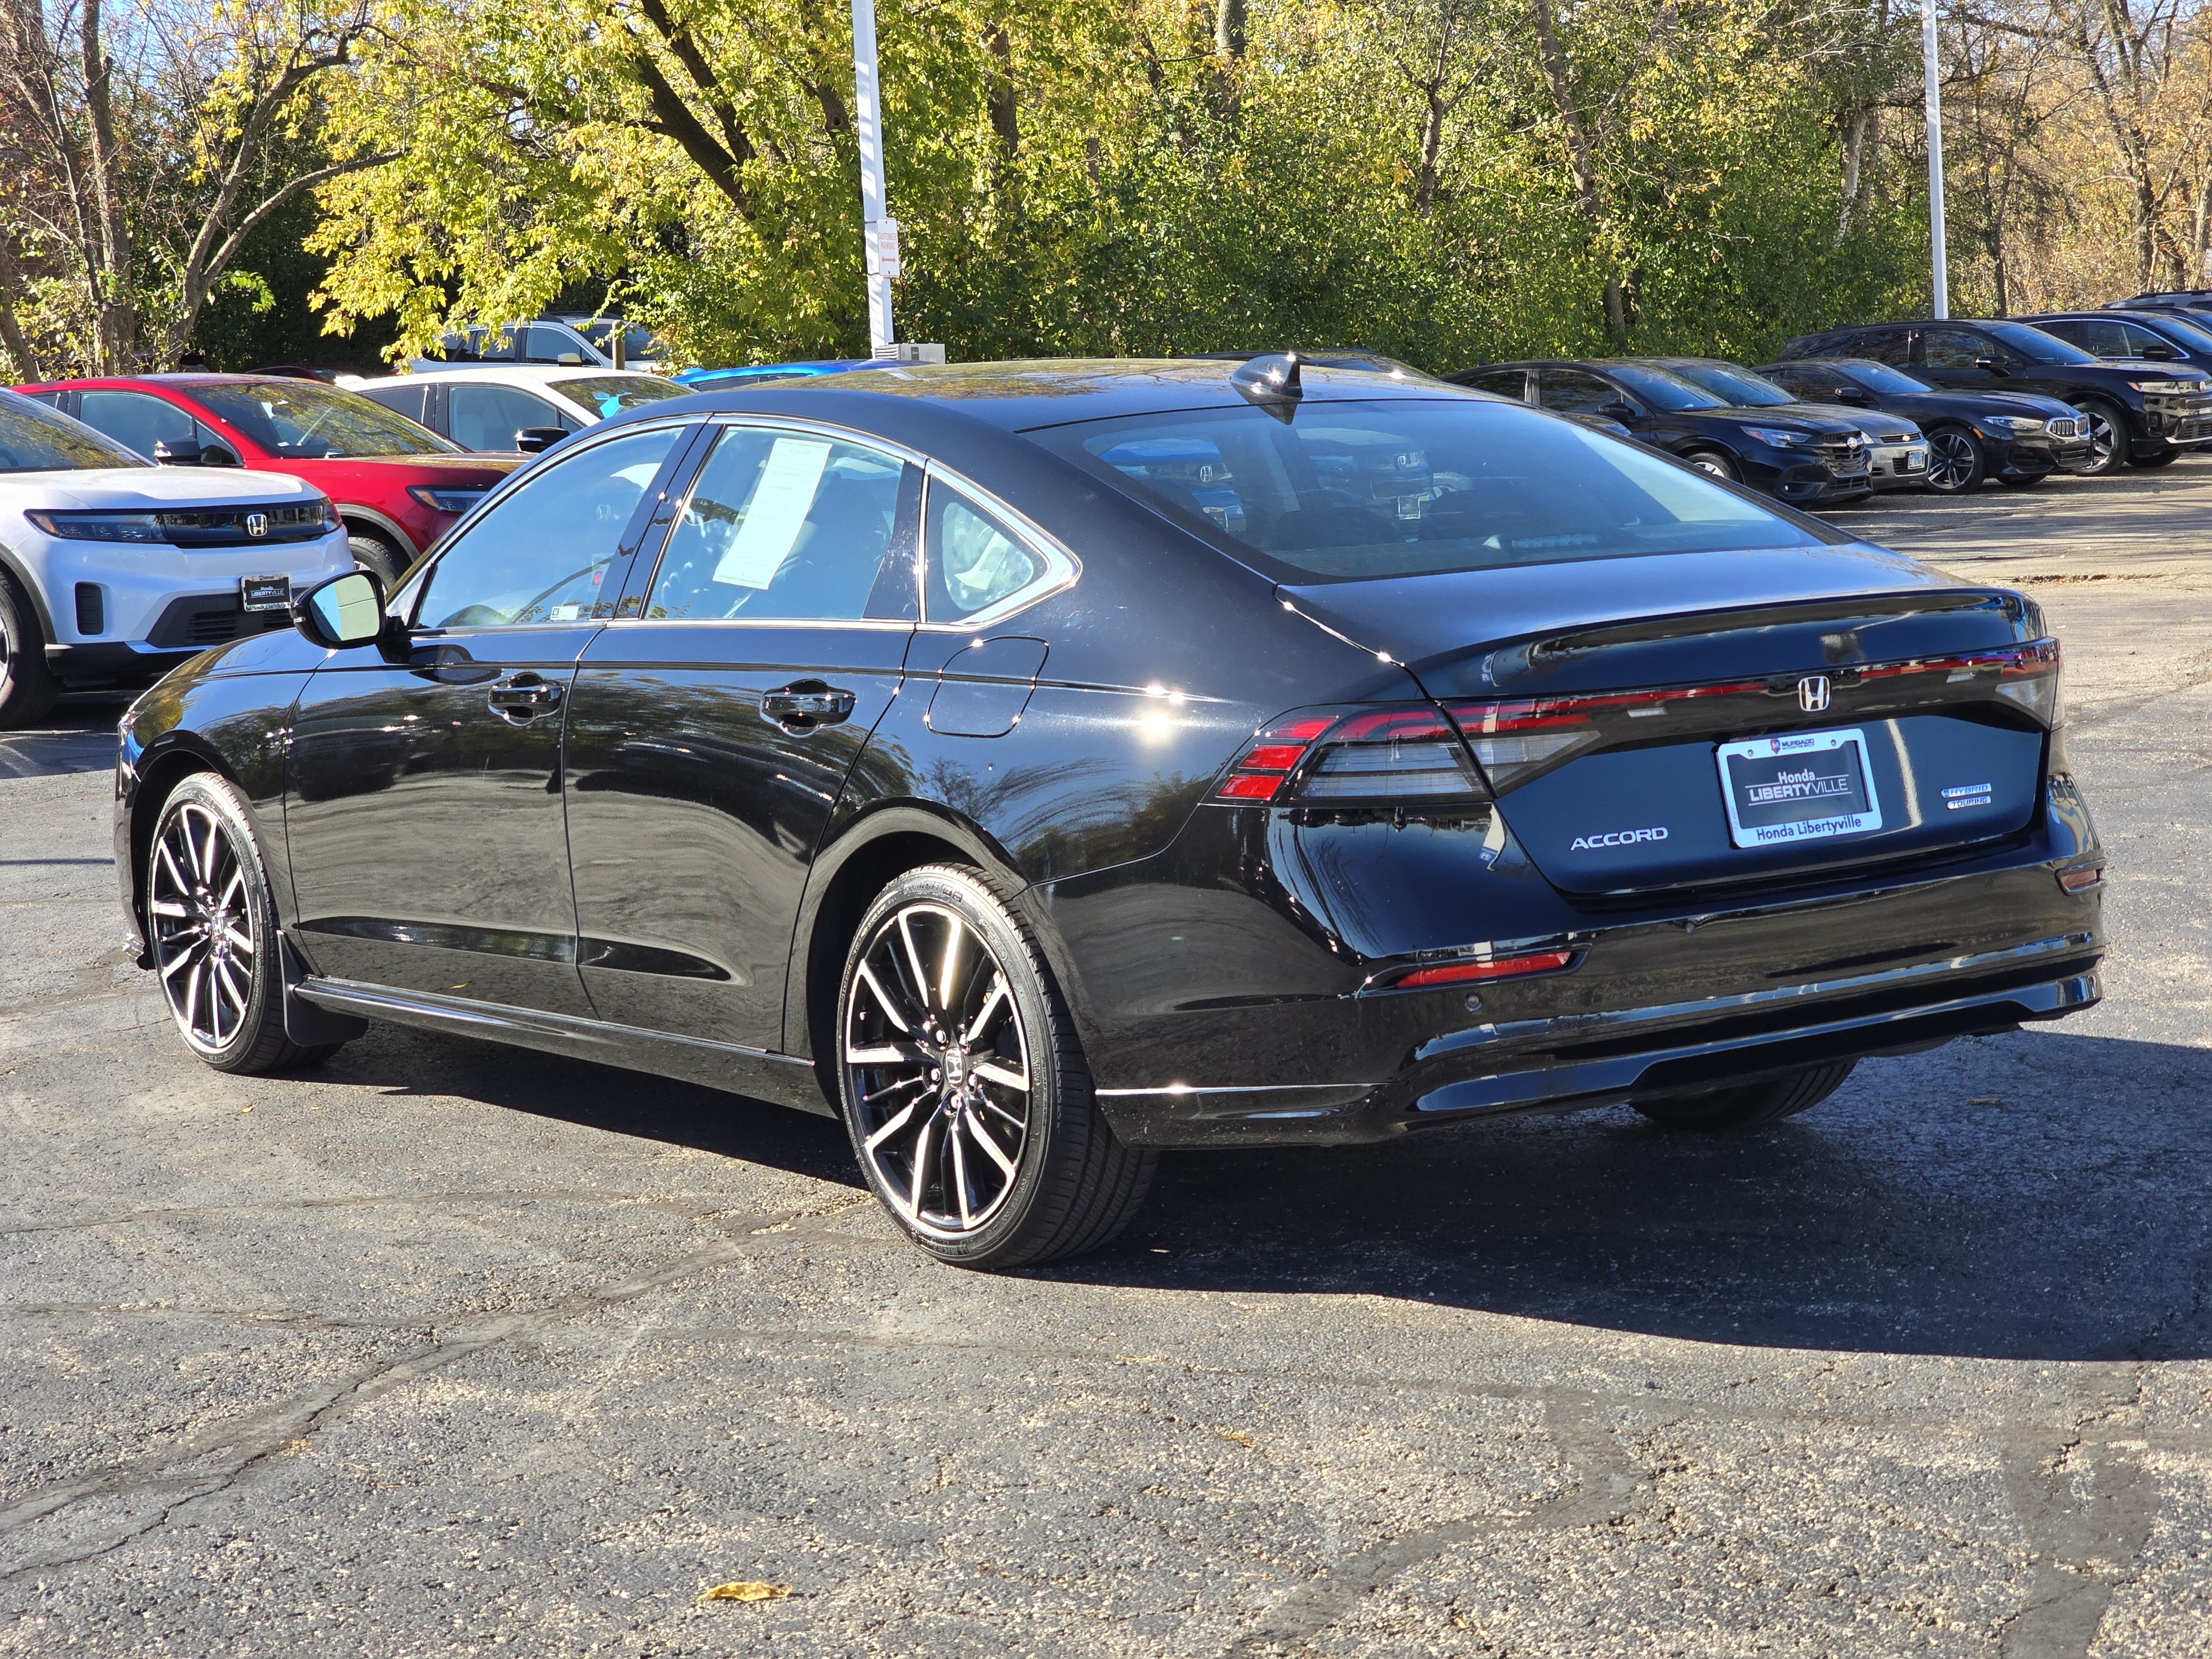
{"type": "Point", "coordinates": [2181, 299]}
{"type": "Point", "coordinates": [2014, 437]}
{"type": "Point", "coordinates": [2181, 338]}
{"type": "Point", "coordinates": [2136, 413]}
{"type": "Point", "coordinates": [1805, 459]}
{"type": "Point", "coordinates": [1033, 765]}
{"type": "Point", "coordinates": [1897, 452]}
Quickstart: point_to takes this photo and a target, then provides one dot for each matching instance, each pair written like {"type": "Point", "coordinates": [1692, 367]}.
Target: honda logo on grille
{"type": "Point", "coordinates": [257, 524]}
{"type": "Point", "coordinates": [1812, 693]}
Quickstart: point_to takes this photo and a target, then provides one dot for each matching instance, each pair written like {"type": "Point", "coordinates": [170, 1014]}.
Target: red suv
{"type": "Point", "coordinates": [398, 486]}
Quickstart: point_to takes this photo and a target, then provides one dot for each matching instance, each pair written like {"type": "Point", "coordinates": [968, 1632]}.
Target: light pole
{"type": "Point", "coordinates": [1932, 83]}
{"type": "Point", "coordinates": [880, 231]}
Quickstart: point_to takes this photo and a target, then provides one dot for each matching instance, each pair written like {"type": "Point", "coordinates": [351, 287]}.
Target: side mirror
{"type": "Point", "coordinates": [2160, 353]}
{"type": "Point", "coordinates": [570, 359]}
{"type": "Point", "coordinates": [344, 612]}
{"type": "Point", "coordinates": [1619, 410]}
{"type": "Point", "coordinates": [179, 452]}
{"type": "Point", "coordinates": [1852, 394]}
{"type": "Point", "coordinates": [534, 439]}
{"type": "Point", "coordinates": [1990, 365]}
{"type": "Point", "coordinates": [216, 455]}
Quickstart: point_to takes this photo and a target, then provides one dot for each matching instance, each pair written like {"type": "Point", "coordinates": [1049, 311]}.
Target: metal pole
{"type": "Point", "coordinates": [868, 118]}
{"type": "Point", "coordinates": [1940, 259]}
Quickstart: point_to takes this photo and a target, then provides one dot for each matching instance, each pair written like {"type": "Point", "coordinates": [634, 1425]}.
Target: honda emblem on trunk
{"type": "Point", "coordinates": [1812, 693]}
{"type": "Point", "coordinates": [257, 524]}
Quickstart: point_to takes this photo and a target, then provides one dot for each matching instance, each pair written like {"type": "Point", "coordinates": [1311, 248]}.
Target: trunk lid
{"type": "Point", "coordinates": [1704, 721]}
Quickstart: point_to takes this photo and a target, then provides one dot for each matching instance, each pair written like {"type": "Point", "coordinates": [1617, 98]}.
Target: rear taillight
{"type": "Point", "coordinates": [2025, 675]}
{"type": "Point", "coordinates": [1403, 757]}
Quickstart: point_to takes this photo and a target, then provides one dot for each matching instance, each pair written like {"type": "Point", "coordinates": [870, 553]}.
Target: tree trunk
{"type": "Point", "coordinates": [1581, 159]}
{"type": "Point", "coordinates": [1861, 136]}
{"type": "Point", "coordinates": [117, 327]}
{"type": "Point", "coordinates": [25, 362]}
{"type": "Point", "coordinates": [1228, 56]}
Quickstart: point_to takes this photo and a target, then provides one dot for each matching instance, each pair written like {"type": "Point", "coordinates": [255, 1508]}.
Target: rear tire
{"type": "Point", "coordinates": [1752, 1105]}
{"type": "Point", "coordinates": [1712, 461]}
{"type": "Point", "coordinates": [963, 1085]}
{"type": "Point", "coordinates": [374, 554]}
{"type": "Point", "coordinates": [28, 686]}
{"type": "Point", "coordinates": [211, 928]}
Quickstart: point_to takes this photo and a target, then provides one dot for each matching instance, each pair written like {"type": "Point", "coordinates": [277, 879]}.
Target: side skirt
{"type": "Point", "coordinates": [754, 1073]}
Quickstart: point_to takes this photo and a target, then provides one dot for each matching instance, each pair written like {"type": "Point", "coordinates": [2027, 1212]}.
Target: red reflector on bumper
{"type": "Point", "coordinates": [1252, 786]}
{"type": "Point", "coordinates": [2080, 881]}
{"type": "Point", "coordinates": [1459, 973]}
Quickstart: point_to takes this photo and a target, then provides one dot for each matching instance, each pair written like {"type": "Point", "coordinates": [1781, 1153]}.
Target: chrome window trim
{"type": "Point", "coordinates": [1062, 569]}
{"type": "Point", "coordinates": [413, 585]}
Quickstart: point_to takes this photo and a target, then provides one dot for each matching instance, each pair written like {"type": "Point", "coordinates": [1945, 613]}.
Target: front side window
{"type": "Point", "coordinates": [540, 554]}
{"type": "Point", "coordinates": [1661, 388]}
{"type": "Point", "coordinates": [1954, 347]}
{"type": "Point", "coordinates": [138, 420]}
{"type": "Point", "coordinates": [1357, 490]}
{"type": "Point", "coordinates": [306, 420]}
{"type": "Point", "coordinates": [2034, 346]}
{"type": "Point", "coordinates": [1572, 391]}
{"type": "Point", "coordinates": [35, 439]}
{"type": "Point", "coordinates": [1881, 377]}
{"type": "Point", "coordinates": [781, 527]}
{"type": "Point", "coordinates": [484, 417]}
{"type": "Point", "coordinates": [975, 559]}
{"type": "Point", "coordinates": [1739, 387]}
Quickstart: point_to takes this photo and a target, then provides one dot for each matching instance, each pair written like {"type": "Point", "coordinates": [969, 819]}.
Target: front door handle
{"type": "Point", "coordinates": [522, 696]}
{"type": "Point", "coordinates": [804, 704]}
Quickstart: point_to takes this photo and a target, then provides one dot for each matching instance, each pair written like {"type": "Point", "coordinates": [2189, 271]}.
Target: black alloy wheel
{"type": "Point", "coordinates": [1712, 461]}
{"type": "Point", "coordinates": [963, 1085]}
{"type": "Point", "coordinates": [376, 555]}
{"type": "Point", "coordinates": [2108, 447]}
{"type": "Point", "coordinates": [1956, 464]}
{"type": "Point", "coordinates": [28, 686]}
{"type": "Point", "coordinates": [211, 924]}
{"type": "Point", "coordinates": [1751, 1105]}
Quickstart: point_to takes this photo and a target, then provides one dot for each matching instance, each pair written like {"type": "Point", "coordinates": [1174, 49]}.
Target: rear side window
{"type": "Point", "coordinates": [401, 399]}
{"type": "Point", "coordinates": [975, 559]}
{"type": "Point", "coordinates": [36, 439]}
{"type": "Point", "coordinates": [783, 527]}
{"type": "Point", "coordinates": [1357, 490]}
{"type": "Point", "coordinates": [1504, 382]}
{"type": "Point", "coordinates": [1893, 346]}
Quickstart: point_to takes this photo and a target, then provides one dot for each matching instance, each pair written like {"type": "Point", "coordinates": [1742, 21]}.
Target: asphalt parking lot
{"type": "Point", "coordinates": [447, 1347]}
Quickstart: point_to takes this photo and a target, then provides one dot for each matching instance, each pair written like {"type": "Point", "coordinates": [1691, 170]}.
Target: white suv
{"type": "Point", "coordinates": [502, 406]}
{"type": "Point", "coordinates": [113, 570]}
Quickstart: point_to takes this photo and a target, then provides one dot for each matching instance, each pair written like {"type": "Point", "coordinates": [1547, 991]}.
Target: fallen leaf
{"type": "Point", "coordinates": [747, 1590]}
{"type": "Point", "coordinates": [1236, 1435]}
{"type": "Point", "coordinates": [243, 1110]}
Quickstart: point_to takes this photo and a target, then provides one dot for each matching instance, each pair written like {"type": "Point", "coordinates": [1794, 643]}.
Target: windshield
{"type": "Point", "coordinates": [1740, 386]}
{"type": "Point", "coordinates": [1881, 377]}
{"type": "Point", "coordinates": [1357, 490]}
{"type": "Point", "coordinates": [312, 421]}
{"type": "Point", "coordinates": [1662, 389]}
{"type": "Point", "coordinates": [2036, 346]}
{"type": "Point", "coordinates": [36, 439]}
{"type": "Point", "coordinates": [606, 395]}
{"type": "Point", "coordinates": [2191, 336]}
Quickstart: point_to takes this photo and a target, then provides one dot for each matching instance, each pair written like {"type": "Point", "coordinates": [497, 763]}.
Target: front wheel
{"type": "Point", "coordinates": [1712, 461]}
{"type": "Point", "coordinates": [963, 1085]}
{"type": "Point", "coordinates": [2160, 458]}
{"type": "Point", "coordinates": [1751, 1105]}
{"type": "Point", "coordinates": [2023, 480]}
{"type": "Point", "coordinates": [1956, 462]}
{"type": "Point", "coordinates": [212, 922]}
{"type": "Point", "coordinates": [28, 687]}
{"type": "Point", "coordinates": [2108, 442]}
{"type": "Point", "coordinates": [377, 556]}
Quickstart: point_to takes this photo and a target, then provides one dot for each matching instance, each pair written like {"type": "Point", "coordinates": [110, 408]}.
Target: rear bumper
{"type": "Point", "coordinates": [1574, 1061]}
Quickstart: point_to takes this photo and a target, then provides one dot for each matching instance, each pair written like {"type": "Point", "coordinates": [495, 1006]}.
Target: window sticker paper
{"type": "Point", "coordinates": [776, 512]}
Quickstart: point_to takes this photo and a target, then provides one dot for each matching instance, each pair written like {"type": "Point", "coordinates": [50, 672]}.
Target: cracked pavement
{"type": "Point", "coordinates": [448, 1347]}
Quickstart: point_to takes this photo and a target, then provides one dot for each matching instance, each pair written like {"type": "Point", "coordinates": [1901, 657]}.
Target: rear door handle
{"type": "Point", "coordinates": [522, 696]}
{"type": "Point", "coordinates": [806, 704]}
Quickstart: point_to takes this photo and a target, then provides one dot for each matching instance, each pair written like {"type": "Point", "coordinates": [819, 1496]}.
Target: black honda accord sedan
{"type": "Point", "coordinates": [1036, 765]}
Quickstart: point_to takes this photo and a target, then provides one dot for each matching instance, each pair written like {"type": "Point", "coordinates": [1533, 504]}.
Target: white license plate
{"type": "Point", "coordinates": [1804, 786]}
{"type": "Point", "coordinates": [264, 592]}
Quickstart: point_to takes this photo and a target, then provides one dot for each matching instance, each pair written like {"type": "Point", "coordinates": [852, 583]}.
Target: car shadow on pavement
{"type": "Point", "coordinates": [77, 736]}
{"type": "Point", "coordinates": [2028, 1197]}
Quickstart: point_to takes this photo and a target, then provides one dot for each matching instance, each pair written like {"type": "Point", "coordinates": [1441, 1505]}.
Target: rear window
{"type": "Point", "coordinates": [607, 395]}
{"type": "Point", "coordinates": [1356, 490]}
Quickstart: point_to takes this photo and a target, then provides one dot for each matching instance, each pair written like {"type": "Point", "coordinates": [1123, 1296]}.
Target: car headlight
{"type": "Point", "coordinates": [1779, 437]}
{"type": "Point", "coordinates": [2182, 386]}
{"type": "Point", "coordinates": [101, 526]}
{"type": "Point", "coordinates": [2012, 423]}
{"type": "Point", "coordinates": [445, 500]}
